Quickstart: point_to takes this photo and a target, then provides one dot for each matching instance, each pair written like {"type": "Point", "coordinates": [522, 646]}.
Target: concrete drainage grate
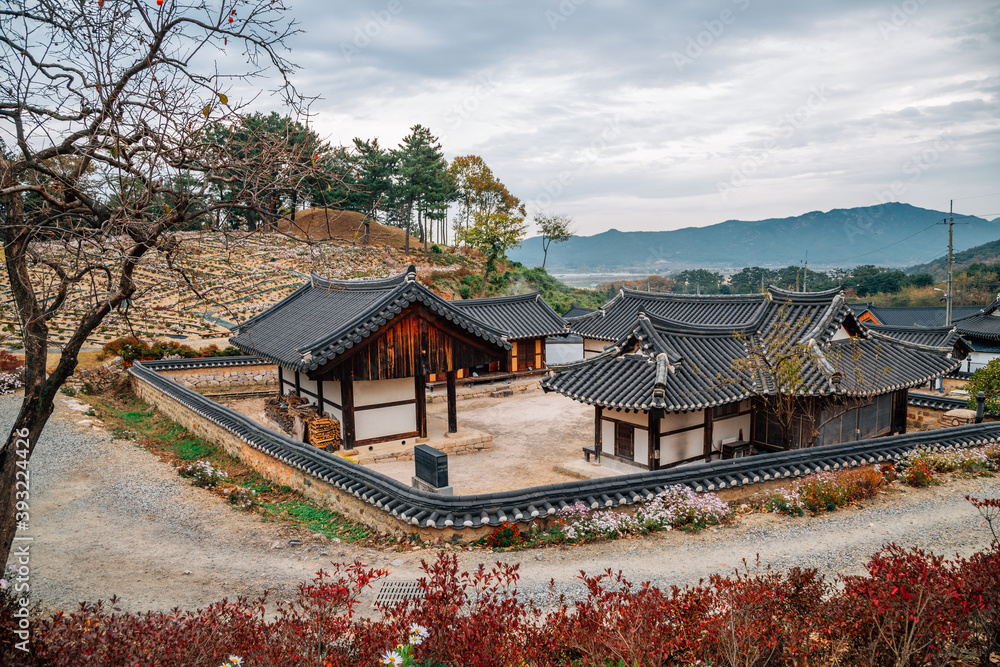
{"type": "Point", "coordinates": [394, 592]}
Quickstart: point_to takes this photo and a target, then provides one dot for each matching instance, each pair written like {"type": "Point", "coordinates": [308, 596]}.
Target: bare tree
{"type": "Point", "coordinates": [104, 108]}
{"type": "Point", "coordinates": [554, 229]}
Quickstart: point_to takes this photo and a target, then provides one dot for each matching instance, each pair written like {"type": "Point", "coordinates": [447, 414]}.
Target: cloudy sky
{"type": "Point", "coordinates": [660, 115]}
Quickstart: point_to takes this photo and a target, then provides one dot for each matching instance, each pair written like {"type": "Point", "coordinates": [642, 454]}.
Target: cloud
{"type": "Point", "coordinates": [797, 106]}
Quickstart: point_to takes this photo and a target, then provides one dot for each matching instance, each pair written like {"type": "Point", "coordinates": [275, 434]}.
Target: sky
{"type": "Point", "coordinates": [662, 115]}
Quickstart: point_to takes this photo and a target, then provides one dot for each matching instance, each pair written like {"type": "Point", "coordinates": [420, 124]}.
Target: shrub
{"type": "Point", "coordinates": [504, 536]}
{"type": "Point", "coordinates": [11, 373]}
{"type": "Point", "coordinates": [9, 363]}
{"type": "Point", "coordinates": [821, 492]}
{"type": "Point", "coordinates": [243, 497]}
{"type": "Point", "coordinates": [68, 391]}
{"type": "Point", "coordinates": [203, 474]}
{"type": "Point", "coordinates": [918, 474]}
{"type": "Point", "coordinates": [779, 501]}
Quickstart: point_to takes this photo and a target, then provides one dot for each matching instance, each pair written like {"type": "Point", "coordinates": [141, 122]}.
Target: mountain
{"type": "Point", "coordinates": [890, 234]}
{"type": "Point", "coordinates": [987, 253]}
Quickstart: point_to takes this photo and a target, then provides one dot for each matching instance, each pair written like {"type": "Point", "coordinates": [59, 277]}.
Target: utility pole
{"type": "Point", "coordinates": [951, 226]}
{"type": "Point", "coordinates": [805, 274]}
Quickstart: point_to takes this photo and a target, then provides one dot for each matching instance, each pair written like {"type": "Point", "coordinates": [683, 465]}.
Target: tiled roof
{"type": "Point", "coordinates": [678, 366]}
{"type": "Point", "coordinates": [432, 510]}
{"type": "Point", "coordinates": [324, 318]}
{"type": "Point", "coordinates": [615, 318]}
{"type": "Point", "coordinates": [577, 311]}
{"type": "Point", "coordinates": [983, 325]}
{"type": "Point", "coordinates": [521, 316]}
{"type": "Point", "coordinates": [930, 336]}
{"type": "Point", "coordinates": [916, 316]}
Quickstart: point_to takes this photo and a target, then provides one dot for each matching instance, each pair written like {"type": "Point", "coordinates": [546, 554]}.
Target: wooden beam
{"type": "Point", "coordinates": [597, 433]}
{"type": "Point", "coordinates": [450, 376]}
{"type": "Point", "coordinates": [708, 434]}
{"type": "Point", "coordinates": [347, 412]}
{"type": "Point", "coordinates": [420, 391]}
{"type": "Point", "coordinates": [654, 438]}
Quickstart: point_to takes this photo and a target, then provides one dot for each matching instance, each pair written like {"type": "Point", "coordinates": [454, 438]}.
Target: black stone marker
{"type": "Point", "coordinates": [431, 465]}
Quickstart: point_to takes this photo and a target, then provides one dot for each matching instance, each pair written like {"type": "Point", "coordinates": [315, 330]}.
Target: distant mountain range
{"type": "Point", "coordinates": [886, 235]}
{"type": "Point", "coordinates": [987, 253]}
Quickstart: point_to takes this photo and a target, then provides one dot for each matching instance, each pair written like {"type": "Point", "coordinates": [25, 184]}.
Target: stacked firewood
{"type": "Point", "coordinates": [324, 433]}
{"type": "Point", "coordinates": [283, 411]}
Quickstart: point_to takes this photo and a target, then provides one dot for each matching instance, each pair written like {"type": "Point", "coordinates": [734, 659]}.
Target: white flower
{"type": "Point", "coordinates": [392, 658]}
{"type": "Point", "coordinates": [418, 634]}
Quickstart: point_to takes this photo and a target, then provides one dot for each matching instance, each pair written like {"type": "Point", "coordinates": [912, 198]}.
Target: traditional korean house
{"type": "Point", "coordinates": [614, 319]}
{"type": "Point", "coordinates": [978, 325]}
{"type": "Point", "coordinates": [528, 321]}
{"type": "Point", "coordinates": [361, 350]}
{"type": "Point", "coordinates": [670, 391]}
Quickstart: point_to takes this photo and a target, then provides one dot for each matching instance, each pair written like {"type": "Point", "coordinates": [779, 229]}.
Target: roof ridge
{"type": "Point", "coordinates": [408, 275]}
{"type": "Point", "coordinates": [510, 298]}
{"type": "Point", "coordinates": [666, 296]}
{"type": "Point", "coordinates": [708, 330]}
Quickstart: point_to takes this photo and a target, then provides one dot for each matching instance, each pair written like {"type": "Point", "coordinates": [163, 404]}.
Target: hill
{"type": "Point", "coordinates": [987, 253]}
{"type": "Point", "coordinates": [320, 224]}
{"type": "Point", "coordinates": [890, 234]}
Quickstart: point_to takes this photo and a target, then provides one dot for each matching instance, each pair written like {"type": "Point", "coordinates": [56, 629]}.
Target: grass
{"type": "Point", "coordinates": [127, 416]}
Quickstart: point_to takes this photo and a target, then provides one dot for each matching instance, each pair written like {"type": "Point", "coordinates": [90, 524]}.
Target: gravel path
{"type": "Point", "coordinates": [110, 518]}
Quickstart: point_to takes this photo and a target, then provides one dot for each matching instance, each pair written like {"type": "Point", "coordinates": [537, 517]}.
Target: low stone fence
{"type": "Point", "coordinates": [928, 409]}
{"type": "Point", "coordinates": [396, 508]}
{"type": "Point", "coordinates": [219, 374]}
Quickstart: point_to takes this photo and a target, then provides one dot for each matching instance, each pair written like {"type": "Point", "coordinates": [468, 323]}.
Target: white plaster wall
{"type": "Point", "coordinates": [675, 420]}
{"type": "Point", "coordinates": [307, 385]}
{"type": "Point", "coordinates": [841, 334]}
{"type": "Point", "coordinates": [592, 347]}
{"type": "Point", "coordinates": [288, 387]}
{"type": "Point", "coordinates": [385, 421]}
{"type": "Point", "coordinates": [729, 428]}
{"type": "Point", "coordinates": [563, 353]}
{"type": "Point", "coordinates": [373, 392]}
{"type": "Point", "coordinates": [977, 360]}
{"type": "Point", "coordinates": [607, 436]}
{"type": "Point", "coordinates": [637, 418]}
{"type": "Point", "coordinates": [640, 448]}
{"type": "Point", "coordinates": [331, 392]}
{"type": "Point", "coordinates": [682, 445]}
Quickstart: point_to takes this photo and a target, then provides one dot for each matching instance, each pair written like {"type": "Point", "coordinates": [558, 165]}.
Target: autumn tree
{"type": "Point", "coordinates": [553, 229]}
{"type": "Point", "coordinates": [479, 192]}
{"type": "Point", "coordinates": [102, 106]}
{"type": "Point", "coordinates": [493, 234]}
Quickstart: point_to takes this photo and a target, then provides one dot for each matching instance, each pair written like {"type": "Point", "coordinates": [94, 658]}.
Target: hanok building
{"type": "Point", "coordinates": [361, 350]}
{"type": "Point", "coordinates": [670, 391]}
{"type": "Point", "coordinates": [978, 325]}
{"type": "Point", "coordinates": [528, 321]}
{"type": "Point", "coordinates": [607, 324]}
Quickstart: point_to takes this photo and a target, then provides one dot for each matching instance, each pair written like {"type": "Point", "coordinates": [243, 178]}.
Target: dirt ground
{"type": "Point", "coordinates": [110, 518]}
{"type": "Point", "coordinates": [538, 439]}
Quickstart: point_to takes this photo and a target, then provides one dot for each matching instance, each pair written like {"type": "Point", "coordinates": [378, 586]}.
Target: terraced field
{"type": "Point", "coordinates": [212, 282]}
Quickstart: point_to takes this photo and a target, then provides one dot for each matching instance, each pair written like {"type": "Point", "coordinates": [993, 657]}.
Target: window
{"type": "Point", "coordinates": [624, 440]}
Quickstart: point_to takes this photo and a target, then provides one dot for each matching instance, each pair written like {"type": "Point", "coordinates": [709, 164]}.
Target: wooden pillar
{"type": "Point", "coordinates": [597, 434]}
{"type": "Point", "coordinates": [654, 437]}
{"type": "Point", "coordinates": [281, 383]}
{"type": "Point", "coordinates": [452, 409]}
{"type": "Point", "coordinates": [420, 391]}
{"type": "Point", "coordinates": [347, 409]}
{"type": "Point", "coordinates": [319, 396]}
{"type": "Point", "coordinates": [298, 386]}
{"type": "Point", "coordinates": [708, 434]}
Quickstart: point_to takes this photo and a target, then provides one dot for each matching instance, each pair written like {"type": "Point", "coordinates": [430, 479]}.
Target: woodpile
{"type": "Point", "coordinates": [301, 420]}
{"type": "Point", "coordinates": [323, 433]}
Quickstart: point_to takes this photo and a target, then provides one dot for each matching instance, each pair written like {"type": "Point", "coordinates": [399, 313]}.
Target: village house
{"type": "Point", "coordinates": [362, 351]}
{"type": "Point", "coordinates": [978, 325]}
{"type": "Point", "coordinates": [696, 384]}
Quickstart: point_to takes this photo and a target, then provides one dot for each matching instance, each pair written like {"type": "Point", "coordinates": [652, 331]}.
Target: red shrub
{"type": "Point", "coordinates": [9, 363]}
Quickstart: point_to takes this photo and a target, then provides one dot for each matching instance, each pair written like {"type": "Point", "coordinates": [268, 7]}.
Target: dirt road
{"type": "Point", "coordinates": [110, 518]}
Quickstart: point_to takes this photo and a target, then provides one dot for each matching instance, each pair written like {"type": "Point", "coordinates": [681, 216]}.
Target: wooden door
{"type": "Point", "coordinates": [624, 440]}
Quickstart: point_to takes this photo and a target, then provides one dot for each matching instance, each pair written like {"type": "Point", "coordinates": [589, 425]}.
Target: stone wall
{"type": "Point", "coordinates": [280, 473]}
{"type": "Point", "coordinates": [227, 378]}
